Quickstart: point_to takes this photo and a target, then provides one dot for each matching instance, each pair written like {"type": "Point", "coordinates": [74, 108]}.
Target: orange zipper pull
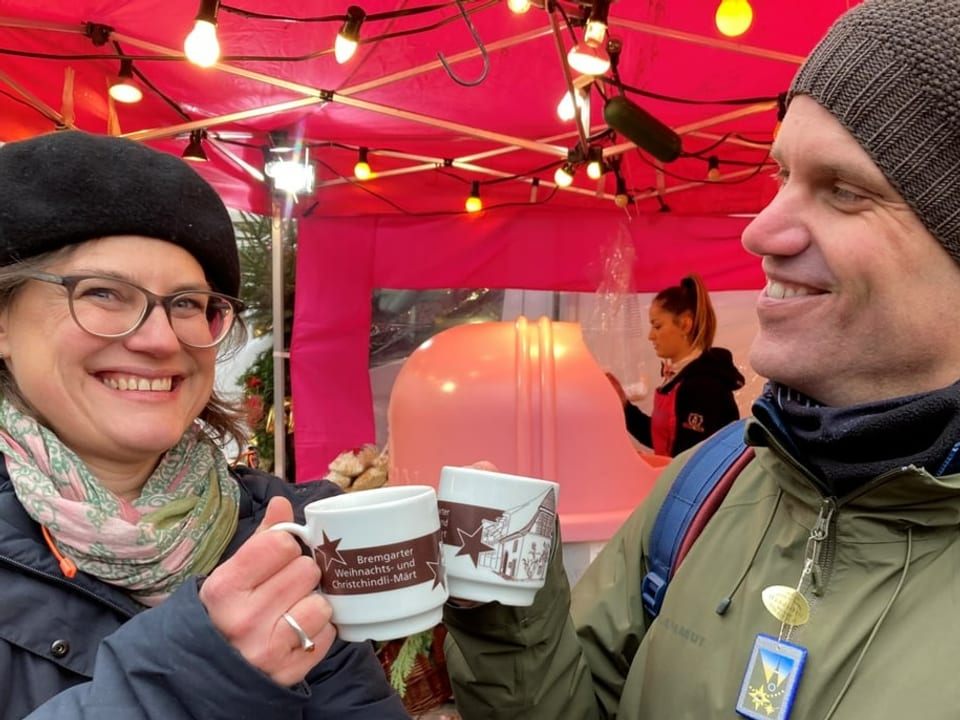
{"type": "Point", "coordinates": [67, 566]}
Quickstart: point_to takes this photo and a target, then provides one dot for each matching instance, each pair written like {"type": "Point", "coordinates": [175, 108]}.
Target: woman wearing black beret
{"type": "Point", "coordinates": [133, 581]}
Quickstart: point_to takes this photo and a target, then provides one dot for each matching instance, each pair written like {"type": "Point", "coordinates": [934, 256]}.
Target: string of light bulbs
{"type": "Point", "coordinates": [474, 186]}
{"type": "Point", "coordinates": [202, 46]}
{"type": "Point", "coordinates": [590, 55]}
{"type": "Point", "coordinates": [596, 53]}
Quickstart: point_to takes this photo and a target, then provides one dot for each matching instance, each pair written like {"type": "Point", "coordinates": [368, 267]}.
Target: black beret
{"type": "Point", "coordinates": [70, 186]}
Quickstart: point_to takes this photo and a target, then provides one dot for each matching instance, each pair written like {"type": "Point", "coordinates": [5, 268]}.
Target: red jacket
{"type": "Point", "coordinates": [693, 405]}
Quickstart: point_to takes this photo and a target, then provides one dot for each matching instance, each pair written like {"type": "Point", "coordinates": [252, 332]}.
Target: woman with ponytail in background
{"type": "Point", "coordinates": [695, 396]}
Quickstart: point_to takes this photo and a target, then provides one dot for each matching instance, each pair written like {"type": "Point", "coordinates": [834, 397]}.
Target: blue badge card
{"type": "Point", "coordinates": [771, 681]}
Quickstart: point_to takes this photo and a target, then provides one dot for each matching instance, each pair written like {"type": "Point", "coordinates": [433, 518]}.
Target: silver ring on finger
{"type": "Point", "coordinates": [306, 644]}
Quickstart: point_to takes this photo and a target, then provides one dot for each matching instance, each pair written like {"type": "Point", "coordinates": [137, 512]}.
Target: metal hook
{"type": "Point", "coordinates": [483, 53]}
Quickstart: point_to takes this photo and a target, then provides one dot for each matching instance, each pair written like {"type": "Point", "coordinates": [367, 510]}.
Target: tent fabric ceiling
{"type": "Point", "coordinates": [429, 136]}
{"type": "Point", "coordinates": [429, 139]}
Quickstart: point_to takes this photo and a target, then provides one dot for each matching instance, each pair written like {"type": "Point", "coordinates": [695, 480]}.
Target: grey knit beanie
{"type": "Point", "coordinates": [68, 187]}
{"type": "Point", "coordinates": [889, 71]}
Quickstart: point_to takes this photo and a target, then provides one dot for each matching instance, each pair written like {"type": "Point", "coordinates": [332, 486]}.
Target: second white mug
{"type": "Point", "coordinates": [498, 532]}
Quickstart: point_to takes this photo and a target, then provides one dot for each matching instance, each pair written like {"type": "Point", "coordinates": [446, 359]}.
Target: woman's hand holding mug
{"type": "Point", "coordinates": [253, 597]}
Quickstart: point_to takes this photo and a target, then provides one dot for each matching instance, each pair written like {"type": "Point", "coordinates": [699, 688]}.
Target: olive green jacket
{"type": "Point", "coordinates": [883, 635]}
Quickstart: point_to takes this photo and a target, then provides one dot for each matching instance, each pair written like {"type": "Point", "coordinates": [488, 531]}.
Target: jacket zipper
{"type": "Point", "coordinates": [821, 544]}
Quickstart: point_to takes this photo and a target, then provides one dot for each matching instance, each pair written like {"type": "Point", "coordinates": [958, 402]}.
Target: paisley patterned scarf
{"type": "Point", "coordinates": [179, 526]}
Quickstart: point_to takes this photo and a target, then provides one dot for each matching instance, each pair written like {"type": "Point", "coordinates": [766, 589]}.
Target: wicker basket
{"type": "Point", "coordinates": [428, 684]}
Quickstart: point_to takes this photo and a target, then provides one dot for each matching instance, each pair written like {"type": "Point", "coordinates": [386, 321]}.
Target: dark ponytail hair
{"type": "Point", "coordinates": [691, 296]}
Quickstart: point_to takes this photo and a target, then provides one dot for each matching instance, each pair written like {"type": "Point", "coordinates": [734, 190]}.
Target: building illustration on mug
{"type": "Point", "coordinates": [513, 543]}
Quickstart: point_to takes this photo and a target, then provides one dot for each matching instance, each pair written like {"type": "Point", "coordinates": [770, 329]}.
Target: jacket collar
{"type": "Point", "coordinates": [904, 495]}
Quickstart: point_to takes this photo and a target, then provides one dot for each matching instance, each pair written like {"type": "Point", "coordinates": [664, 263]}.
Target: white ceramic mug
{"type": "Point", "coordinates": [497, 533]}
{"type": "Point", "coordinates": [379, 551]}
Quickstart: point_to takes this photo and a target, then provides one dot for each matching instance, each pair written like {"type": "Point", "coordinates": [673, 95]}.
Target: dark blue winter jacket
{"type": "Point", "coordinates": [83, 649]}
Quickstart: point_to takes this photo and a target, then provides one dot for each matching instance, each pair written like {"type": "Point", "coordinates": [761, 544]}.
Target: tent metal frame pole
{"type": "Point", "coordinates": [35, 102]}
{"type": "Point", "coordinates": [170, 131]}
{"type": "Point", "coordinates": [754, 145]}
{"type": "Point", "coordinates": [237, 160]}
{"type": "Point", "coordinates": [546, 149]}
{"type": "Point", "coordinates": [483, 155]}
{"type": "Point", "coordinates": [25, 24]}
{"type": "Point", "coordinates": [568, 79]}
{"type": "Point", "coordinates": [435, 65]}
{"type": "Point", "coordinates": [280, 355]}
{"type": "Point", "coordinates": [316, 95]}
{"type": "Point", "coordinates": [343, 97]}
{"type": "Point", "coordinates": [710, 42]}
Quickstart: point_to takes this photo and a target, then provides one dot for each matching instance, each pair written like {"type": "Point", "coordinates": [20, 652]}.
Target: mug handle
{"type": "Point", "coordinates": [299, 530]}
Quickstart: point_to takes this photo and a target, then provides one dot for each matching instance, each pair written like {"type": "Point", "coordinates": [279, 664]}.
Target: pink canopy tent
{"type": "Point", "coordinates": [431, 132]}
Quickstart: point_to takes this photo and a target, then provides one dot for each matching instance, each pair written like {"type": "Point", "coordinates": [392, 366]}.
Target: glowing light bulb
{"type": "Point", "coordinates": [590, 57]}
{"type": "Point", "coordinates": [563, 177]}
{"type": "Point", "coordinates": [734, 17]}
{"type": "Point", "coordinates": [123, 89]}
{"type": "Point", "coordinates": [349, 36]}
{"type": "Point", "coordinates": [201, 46]}
{"type": "Point", "coordinates": [595, 31]}
{"type": "Point", "coordinates": [518, 6]}
{"type": "Point", "coordinates": [362, 171]}
{"type": "Point", "coordinates": [344, 48]}
{"type": "Point", "coordinates": [566, 110]}
{"type": "Point", "coordinates": [595, 170]}
{"type": "Point", "coordinates": [126, 92]}
{"type": "Point", "coordinates": [474, 203]}
{"type": "Point", "coordinates": [291, 176]}
{"type": "Point", "coordinates": [568, 106]}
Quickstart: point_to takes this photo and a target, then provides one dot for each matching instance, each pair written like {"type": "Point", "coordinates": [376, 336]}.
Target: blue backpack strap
{"type": "Point", "coordinates": [692, 486]}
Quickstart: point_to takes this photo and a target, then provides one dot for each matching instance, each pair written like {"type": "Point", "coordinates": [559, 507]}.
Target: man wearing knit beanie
{"type": "Point", "coordinates": [889, 72]}
{"type": "Point", "coordinates": [819, 580]}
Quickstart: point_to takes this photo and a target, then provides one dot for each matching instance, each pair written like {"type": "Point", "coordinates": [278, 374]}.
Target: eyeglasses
{"type": "Point", "coordinates": [112, 308]}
